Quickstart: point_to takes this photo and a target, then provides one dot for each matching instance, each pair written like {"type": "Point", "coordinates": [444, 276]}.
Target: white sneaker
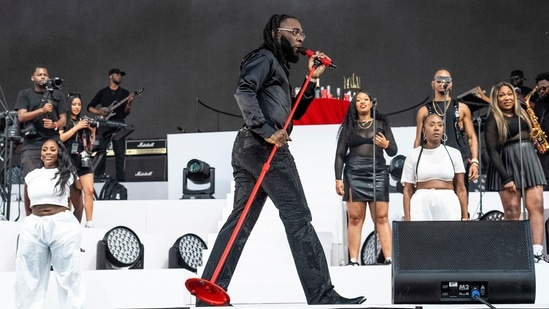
{"type": "Point", "coordinates": [89, 225]}
{"type": "Point", "coordinates": [540, 259]}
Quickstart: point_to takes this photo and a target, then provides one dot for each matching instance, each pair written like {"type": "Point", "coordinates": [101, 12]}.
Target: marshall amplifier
{"type": "Point", "coordinates": [146, 160]}
{"type": "Point", "coordinates": [146, 147]}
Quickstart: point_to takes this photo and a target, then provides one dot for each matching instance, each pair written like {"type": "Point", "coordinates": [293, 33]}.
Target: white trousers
{"type": "Point", "coordinates": [45, 242]}
{"type": "Point", "coordinates": [434, 205]}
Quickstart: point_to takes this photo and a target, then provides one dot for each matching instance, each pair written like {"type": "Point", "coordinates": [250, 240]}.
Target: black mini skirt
{"type": "Point", "coordinates": [358, 177]}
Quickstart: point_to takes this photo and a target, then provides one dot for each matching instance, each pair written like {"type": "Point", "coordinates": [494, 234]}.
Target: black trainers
{"type": "Point", "coordinates": [353, 264]}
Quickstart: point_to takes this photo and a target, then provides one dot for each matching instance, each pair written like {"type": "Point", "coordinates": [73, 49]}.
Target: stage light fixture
{"type": "Point", "coordinates": [395, 170]}
{"type": "Point", "coordinates": [368, 251]}
{"type": "Point", "coordinates": [202, 174]}
{"type": "Point", "coordinates": [396, 166]}
{"type": "Point", "coordinates": [186, 252]}
{"type": "Point", "coordinates": [493, 215]}
{"type": "Point", "coordinates": [120, 248]}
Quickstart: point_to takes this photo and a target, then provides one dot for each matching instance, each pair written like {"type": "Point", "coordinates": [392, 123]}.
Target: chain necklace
{"type": "Point", "coordinates": [366, 124]}
{"type": "Point", "coordinates": [441, 113]}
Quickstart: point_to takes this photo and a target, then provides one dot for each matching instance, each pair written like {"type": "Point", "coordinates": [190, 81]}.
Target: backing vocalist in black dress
{"type": "Point", "coordinates": [354, 172]}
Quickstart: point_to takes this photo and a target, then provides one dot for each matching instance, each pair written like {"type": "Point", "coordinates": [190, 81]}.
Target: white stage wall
{"type": "Point", "coordinates": [313, 147]}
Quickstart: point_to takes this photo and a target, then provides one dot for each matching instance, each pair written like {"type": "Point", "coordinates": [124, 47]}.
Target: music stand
{"type": "Point", "coordinates": [473, 100]}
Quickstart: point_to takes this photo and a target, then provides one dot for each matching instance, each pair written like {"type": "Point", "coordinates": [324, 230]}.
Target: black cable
{"type": "Point", "coordinates": [475, 294]}
{"type": "Point", "coordinates": [409, 108]}
{"type": "Point", "coordinates": [216, 110]}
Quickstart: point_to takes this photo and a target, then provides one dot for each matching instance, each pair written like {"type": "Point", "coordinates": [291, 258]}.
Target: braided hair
{"type": "Point", "coordinates": [270, 34]}
{"type": "Point", "coordinates": [350, 123]}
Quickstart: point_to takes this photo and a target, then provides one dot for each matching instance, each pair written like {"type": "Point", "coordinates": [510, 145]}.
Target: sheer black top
{"type": "Point", "coordinates": [360, 143]}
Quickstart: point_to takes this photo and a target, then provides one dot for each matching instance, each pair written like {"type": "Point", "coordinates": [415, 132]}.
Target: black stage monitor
{"type": "Point", "coordinates": [448, 262]}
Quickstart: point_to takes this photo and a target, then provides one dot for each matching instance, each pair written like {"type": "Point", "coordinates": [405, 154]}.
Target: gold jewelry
{"type": "Point", "coordinates": [442, 113]}
{"type": "Point", "coordinates": [366, 124]}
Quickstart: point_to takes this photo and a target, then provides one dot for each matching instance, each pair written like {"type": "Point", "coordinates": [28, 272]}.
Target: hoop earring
{"type": "Point", "coordinates": [444, 137]}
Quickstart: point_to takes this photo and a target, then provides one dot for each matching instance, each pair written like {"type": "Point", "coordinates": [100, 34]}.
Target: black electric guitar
{"type": "Point", "coordinates": [110, 109]}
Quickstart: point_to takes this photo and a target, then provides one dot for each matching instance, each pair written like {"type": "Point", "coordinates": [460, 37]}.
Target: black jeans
{"type": "Point", "coordinates": [283, 186]}
{"type": "Point", "coordinates": [119, 149]}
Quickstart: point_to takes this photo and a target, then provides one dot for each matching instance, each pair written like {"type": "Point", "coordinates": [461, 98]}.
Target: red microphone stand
{"type": "Point", "coordinates": [207, 290]}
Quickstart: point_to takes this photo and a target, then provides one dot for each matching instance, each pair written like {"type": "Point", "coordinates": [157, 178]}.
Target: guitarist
{"type": "Point", "coordinates": [99, 106]}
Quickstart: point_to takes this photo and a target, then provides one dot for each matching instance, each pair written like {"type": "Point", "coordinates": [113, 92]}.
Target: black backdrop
{"type": "Point", "coordinates": [181, 50]}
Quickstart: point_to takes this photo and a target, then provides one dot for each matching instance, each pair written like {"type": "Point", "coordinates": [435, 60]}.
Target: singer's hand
{"type": "Point", "coordinates": [381, 140]}
{"type": "Point", "coordinates": [340, 187]}
{"type": "Point", "coordinates": [473, 172]}
{"type": "Point", "coordinates": [320, 69]}
{"type": "Point", "coordinates": [279, 138]}
{"type": "Point", "coordinates": [510, 187]}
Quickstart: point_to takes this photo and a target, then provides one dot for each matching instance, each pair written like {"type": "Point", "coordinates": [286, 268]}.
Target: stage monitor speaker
{"type": "Point", "coordinates": [449, 261]}
{"type": "Point", "coordinates": [146, 168]}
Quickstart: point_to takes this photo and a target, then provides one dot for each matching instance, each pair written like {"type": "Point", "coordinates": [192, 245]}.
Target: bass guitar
{"type": "Point", "coordinates": [110, 109]}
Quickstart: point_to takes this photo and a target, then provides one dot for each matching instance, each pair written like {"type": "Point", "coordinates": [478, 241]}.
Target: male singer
{"type": "Point", "coordinates": [264, 97]}
{"type": "Point", "coordinates": [458, 123]}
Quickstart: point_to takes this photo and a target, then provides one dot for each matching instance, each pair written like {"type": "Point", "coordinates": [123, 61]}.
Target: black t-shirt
{"type": "Point", "coordinates": [31, 100]}
{"type": "Point", "coordinates": [106, 96]}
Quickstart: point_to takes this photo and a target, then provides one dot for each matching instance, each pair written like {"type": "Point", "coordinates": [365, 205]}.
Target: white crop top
{"type": "Point", "coordinates": [433, 164]}
{"type": "Point", "coordinates": [41, 188]}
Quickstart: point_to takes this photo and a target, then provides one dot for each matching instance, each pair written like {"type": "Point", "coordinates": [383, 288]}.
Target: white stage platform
{"type": "Point", "coordinates": [265, 276]}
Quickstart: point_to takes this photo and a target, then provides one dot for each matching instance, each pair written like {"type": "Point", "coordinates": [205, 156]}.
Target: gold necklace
{"type": "Point", "coordinates": [441, 113]}
{"type": "Point", "coordinates": [366, 124]}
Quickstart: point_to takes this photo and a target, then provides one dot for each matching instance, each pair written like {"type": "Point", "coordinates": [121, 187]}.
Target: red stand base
{"type": "Point", "coordinates": [207, 292]}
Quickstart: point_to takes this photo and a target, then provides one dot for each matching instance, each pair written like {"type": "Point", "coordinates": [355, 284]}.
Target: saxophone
{"type": "Point", "coordinates": [537, 134]}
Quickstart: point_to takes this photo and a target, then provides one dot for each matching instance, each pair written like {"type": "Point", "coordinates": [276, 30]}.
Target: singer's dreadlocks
{"type": "Point", "coordinates": [269, 40]}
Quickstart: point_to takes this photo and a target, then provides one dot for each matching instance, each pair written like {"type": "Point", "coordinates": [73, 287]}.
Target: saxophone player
{"type": "Point", "coordinates": [541, 109]}
{"type": "Point", "coordinates": [510, 149]}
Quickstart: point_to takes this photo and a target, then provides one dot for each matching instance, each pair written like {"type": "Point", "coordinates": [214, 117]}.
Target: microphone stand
{"type": "Point", "coordinates": [522, 189]}
{"type": "Point", "coordinates": [374, 106]}
{"type": "Point", "coordinates": [446, 105]}
{"type": "Point", "coordinates": [479, 181]}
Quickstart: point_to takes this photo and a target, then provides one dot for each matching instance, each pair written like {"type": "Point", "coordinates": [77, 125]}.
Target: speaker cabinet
{"type": "Point", "coordinates": [146, 168]}
{"type": "Point", "coordinates": [449, 261]}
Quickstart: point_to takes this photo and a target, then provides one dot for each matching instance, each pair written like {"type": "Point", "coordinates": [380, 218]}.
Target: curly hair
{"type": "Point", "coordinates": [64, 165]}
{"type": "Point", "coordinates": [350, 123]}
{"type": "Point", "coordinates": [269, 40]}
{"type": "Point", "coordinates": [542, 76]}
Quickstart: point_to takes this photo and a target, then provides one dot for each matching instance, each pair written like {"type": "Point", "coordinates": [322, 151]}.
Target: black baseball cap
{"type": "Point", "coordinates": [112, 71]}
{"type": "Point", "coordinates": [517, 73]}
